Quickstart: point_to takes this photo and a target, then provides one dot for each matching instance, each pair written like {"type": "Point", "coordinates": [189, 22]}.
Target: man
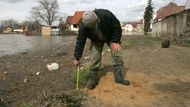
{"type": "Point", "coordinates": [100, 26]}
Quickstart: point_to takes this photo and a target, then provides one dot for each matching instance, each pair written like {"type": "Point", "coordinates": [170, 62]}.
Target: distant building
{"type": "Point", "coordinates": [7, 30]}
{"type": "Point", "coordinates": [128, 28]}
{"type": "Point", "coordinates": [187, 6]}
{"type": "Point", "coordinates": [168, 10]}
{"type": "Point", "coordinates": [69, 20]}
{"type": "Point", "coordinates": [173, 21]}
{"type": "Point", "coordinates": [136, 26]}
{"type": "Point", "coordinates": [18, 30]}
{"type": "Point", "coordinates": [54, 30]}
{"type": "Point", "coordinates": [46, 30]}
{"type": "Point", "coordinates": [73, 21]}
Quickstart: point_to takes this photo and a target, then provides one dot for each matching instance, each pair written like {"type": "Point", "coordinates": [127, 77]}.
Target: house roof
{"type": "Point", "coordinates": [134, 24]}
{"type": "Point", "coordinates": [168, 10]}
{"type": "Point", "coordinates": [69, 20]}
{"type": "Point", "coordinates": [77, 16]}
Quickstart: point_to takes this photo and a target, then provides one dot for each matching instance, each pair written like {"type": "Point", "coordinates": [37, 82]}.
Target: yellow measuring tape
{"type": "Point", "coordinates": [78, 75]}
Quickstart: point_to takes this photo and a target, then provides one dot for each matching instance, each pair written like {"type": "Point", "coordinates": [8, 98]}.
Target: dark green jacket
{"type": "Point", "coordinates": [109, 26]}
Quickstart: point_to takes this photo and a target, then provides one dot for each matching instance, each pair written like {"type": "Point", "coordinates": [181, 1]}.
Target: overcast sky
{"type": "Point", "coordinates": [125, 10]}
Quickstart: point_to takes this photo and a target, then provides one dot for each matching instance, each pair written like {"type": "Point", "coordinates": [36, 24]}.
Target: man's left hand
{"type": "Point", "coordinates": [76, 62]}
{"type": "Point", "coordinates": [116, 47]}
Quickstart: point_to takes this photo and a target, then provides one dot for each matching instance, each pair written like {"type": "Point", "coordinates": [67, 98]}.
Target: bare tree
{"type": "Point", "coordinates": [9, 23]}
{"type": "Point", "coordinates": [46, 11]}
{"type": "Point", "coordinates": [32, 26]}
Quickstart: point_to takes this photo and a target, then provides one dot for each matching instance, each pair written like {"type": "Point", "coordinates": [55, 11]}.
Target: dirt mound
{"type": "Point", "coordinates": [112, 94]}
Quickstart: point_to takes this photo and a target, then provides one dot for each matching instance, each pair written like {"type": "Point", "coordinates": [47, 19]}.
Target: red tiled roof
{"type": "Point", "coordinates": [77, 16]}
{"type": "Point", "coordinates": [69, 20]}
{"type": "Point", "coordinates": [168, 10]}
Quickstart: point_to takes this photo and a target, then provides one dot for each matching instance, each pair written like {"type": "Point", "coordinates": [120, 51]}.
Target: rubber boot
{"type": "Point", "coordinates": [93, 80]}
{"type": "Point", "coordinates": [119, 78]}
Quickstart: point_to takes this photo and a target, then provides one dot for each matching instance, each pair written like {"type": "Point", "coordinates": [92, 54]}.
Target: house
{"type": "Point", "coordinates": [69, 19]}
{"type": "Point", "coordinates": [187, 6]}
{"type": "Point", "coordinates": [50, 30]}
{"type": "Point", "coordinates": [74, 20]}
{"type": "Point", "coordinates": [7, 30]}
{"type": "Point", "coordinates": [136, 26]}
{"type": "Point", "coordinates": [18, 30]}
{"type": "Point", "coordinates": [128, 28]}
{"type": "Point", "coordinates": [46, 30]}
{"type": "Point", "coordinates": [54, 30]}
{"type": "Point", "coordinates": [174, 24]}
{"type": "Point", "coordinates": [69, 23]}
{"type": "Point", "coordinates": [168, 10]}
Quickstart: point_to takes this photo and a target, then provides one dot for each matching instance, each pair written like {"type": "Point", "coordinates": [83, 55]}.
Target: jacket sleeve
{"type": "Point", "coordinates": [81, 40]}
{"type": "Point", "coordinates": [116, 29]}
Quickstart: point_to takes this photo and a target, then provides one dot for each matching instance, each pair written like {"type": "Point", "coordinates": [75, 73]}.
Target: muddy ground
{"type": "Point", "coordinates": [159, 77]}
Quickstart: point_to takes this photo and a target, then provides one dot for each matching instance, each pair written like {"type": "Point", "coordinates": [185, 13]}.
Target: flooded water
{"type": "Point", "coordinates": [14, 43]}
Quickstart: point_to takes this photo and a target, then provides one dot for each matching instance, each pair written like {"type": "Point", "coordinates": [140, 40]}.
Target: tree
{"type": "Point", "coordinates": [32, 26]}
{"type": "Point", "coordinates": [9, 23]}
{"type": "Point", "coordinates": [46, 11]}
{"type": "Point", "coordinates": [148, 16]}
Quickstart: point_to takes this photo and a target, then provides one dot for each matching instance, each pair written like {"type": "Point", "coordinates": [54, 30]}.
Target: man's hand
{"type": "Point", "coordinates": [116, 47]}
{"type": "Point", "coordinates": [76, 62]}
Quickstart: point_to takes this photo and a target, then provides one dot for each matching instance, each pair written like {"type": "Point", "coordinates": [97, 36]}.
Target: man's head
{"type": "Point", "coordinates": [89, 18]}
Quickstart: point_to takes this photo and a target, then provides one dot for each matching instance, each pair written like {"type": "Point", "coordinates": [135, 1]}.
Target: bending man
{"type": "Point", "coordinates": [101, 27]}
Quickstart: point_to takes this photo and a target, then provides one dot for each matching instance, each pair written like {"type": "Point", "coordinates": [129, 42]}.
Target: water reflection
{"type": "Point", "coordinates": [15, 43]}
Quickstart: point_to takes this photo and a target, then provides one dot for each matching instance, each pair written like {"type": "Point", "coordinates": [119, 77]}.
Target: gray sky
{"type": "Point", "coordinates": [125, 10]}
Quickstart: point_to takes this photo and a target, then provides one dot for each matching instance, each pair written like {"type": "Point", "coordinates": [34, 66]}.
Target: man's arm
{"type": "Point", "coordinates": [116, 28]}
{"type": "Point", "coordinates": [81, 40]}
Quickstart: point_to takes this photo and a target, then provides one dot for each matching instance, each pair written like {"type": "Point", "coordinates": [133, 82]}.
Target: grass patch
{"type": "Point", "coordinates": [173, 41]}
{"type": "Point", "coordinates": [26, 104]}
{"type": "Point", "coordinates": [155, 38]}
{"type": "Point", "coordinates": [128, 42]}
{"type": "Point", "coordinates": [139, 41]}
{"type": "Point", "coordinates": [84, 76]}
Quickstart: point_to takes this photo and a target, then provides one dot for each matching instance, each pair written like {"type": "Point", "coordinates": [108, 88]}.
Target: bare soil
{"type": "Point", "coordinates": [159, 77]}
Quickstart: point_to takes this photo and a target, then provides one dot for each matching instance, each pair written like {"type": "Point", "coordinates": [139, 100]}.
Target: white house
{"type": "Point", "coordinates": [128, 27]}
{"type": "Point", "coordinates": [7, 30]}
{"type": "Point", "coordinates": [74, 28]}
{"type": "Point", "coordinates": [18, 30]}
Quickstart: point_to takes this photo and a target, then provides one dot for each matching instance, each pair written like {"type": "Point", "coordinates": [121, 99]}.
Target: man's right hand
{"type": "Point", "coordinates": [76, 62]}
